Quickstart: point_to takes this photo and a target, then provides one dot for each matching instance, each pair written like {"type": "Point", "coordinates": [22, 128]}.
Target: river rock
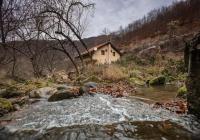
{"type": "Point", "coordinates": [64, 87]}
{"type": "Point", "coordinates": [86, 87]}
{"type": "Point", "coordinates": [9, 93]}
{"type": "Point", "coordinates": [64, 94]}
{"type": "Point", "coordinates": [42, 92]}
{"type": "Point", "coordinates": [16, 107]}
{"type": "Point", "coordinates": [91, 84]}
{"type": "Point", "coordinates": [20, 101]}
{"type": "Point", "coordinates": [161, 80]}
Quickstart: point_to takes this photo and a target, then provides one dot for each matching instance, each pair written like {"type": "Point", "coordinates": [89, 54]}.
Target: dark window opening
{"type": "Point", "coordinates": [102, 52]}
{"type": "Point", "coordinates": [113, 53]}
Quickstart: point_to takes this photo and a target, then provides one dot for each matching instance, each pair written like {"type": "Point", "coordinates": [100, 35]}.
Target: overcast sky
{"type": "Point", "coordinates": [112, 14]}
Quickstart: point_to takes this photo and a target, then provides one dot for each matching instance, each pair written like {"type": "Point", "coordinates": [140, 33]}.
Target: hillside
{"type": "Point", "coordinates": [167, 24]}
{"type": "Point", "coordinates": [165, 28]}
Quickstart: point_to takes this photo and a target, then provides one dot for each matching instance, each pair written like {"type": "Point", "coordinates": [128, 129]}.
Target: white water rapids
{"type": "Point", "coordinates": [97, 109]}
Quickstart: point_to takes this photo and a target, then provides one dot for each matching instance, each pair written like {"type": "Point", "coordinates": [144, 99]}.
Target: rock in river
{"type": "Point", "coordinates": [42, 92]}
{"type": "Point", "coordinates": [161, 80]}
{"type": "Point", "coordinates": [86, 87]}
{"type": "Point", "coordinates": [64, 94]}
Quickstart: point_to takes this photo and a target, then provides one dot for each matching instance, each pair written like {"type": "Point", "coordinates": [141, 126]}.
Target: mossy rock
{"type": "Point", "coordinates": [137, 81]}
{"type": "Point", "coordinates": [161, 80]}
{"type": "Point", "coordinates": [62, 95]}
{"type": "Point", "coordinates": [6, 104]}
{"type": "Point", "coordinates": [182, 92]}
{"type": "Point", "coordinates": [10, 93]}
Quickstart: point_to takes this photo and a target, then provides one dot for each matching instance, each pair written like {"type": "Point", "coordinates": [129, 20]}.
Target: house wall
{"type": "Point", "coordinates": [108, 57]}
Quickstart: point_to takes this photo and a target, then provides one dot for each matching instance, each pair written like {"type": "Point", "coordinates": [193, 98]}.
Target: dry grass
{"type": "Point", "coordinates": [113, 73]}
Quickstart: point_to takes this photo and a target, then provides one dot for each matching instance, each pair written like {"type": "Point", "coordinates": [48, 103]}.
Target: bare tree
{"type": "Point", "coordinates": [64, 22]}
{"type": "Point", "coordinates": [10, 19]}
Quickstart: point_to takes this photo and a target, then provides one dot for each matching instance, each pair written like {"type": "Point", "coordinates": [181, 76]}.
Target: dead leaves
{"type": "Point", "coordinates": [177, 106]}
{"type": "Point", "coordinates": [117, 90]}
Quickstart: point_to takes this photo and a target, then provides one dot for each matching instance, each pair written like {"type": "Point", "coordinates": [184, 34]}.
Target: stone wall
{"type": "Point", "coordinates": [193, 83]}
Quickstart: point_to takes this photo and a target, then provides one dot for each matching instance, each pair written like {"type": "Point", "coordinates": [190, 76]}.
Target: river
{"type": "Point", "coordinates": [100, 117]}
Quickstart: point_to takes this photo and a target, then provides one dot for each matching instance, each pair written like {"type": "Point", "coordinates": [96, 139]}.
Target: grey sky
{"type": "Point", "coordinates": [115, 13]}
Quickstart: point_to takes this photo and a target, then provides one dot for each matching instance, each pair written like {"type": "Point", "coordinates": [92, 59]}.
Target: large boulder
{"type": "Point", "coordinates": [72, 92]}
{"type": "Point", "coordinates": [63, 87]}
{"type": "Point", "coordinates": [42, 92]}
{"type": "Point", "coordinates": [10, 93]}
{"type": "Point", "coordinates": [61, 77]}
{"type": "Point", "coordinates": [149, 52]}
{"type": "Point", "coordinates": [85, 89]}
{"type": "Point", "coordinates": [161, 80]}
{"type": "Point", "coordinates": [20, 101]}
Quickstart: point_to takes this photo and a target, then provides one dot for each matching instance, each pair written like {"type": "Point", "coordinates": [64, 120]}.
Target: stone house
{"type": "Point", "coordinates": [105, 53]}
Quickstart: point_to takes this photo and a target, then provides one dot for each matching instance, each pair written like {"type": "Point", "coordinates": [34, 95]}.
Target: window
{"type": "Point", "coordinates": [102, 52]}
{"type": "Point", "coordinates": [113, 53]}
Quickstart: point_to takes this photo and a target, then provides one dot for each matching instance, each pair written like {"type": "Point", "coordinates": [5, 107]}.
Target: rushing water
{"type": "Point", "coordinates": [98, 117]}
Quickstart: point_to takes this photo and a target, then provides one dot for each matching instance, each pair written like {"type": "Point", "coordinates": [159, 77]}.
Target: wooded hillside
{"type": "Point", "coordinates": [184, 15]}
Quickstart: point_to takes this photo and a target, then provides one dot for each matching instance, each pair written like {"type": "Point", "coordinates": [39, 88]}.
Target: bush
{"type": "Point", "coordinates": [113, 73]}
{"type": "Point", "coordinates": [182, 92]}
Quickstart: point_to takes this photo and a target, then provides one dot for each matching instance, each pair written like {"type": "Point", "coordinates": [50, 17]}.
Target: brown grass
{"type": "Point", "coordinates": [113, 73]}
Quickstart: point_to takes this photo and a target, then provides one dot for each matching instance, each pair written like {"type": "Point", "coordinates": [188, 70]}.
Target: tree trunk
{"type": "Point", "coordinates": [14, 63]}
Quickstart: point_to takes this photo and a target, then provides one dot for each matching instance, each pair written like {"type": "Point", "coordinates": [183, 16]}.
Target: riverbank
{"type": "Point", "coordinates": [131, 76]}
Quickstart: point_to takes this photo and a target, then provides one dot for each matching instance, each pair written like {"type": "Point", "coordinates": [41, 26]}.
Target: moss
{"type": "Point", "coordinates": [182, 92]}
{"type": "Point", "coordinates": [161, 80]}
{"type": "Point", "coordinates": [5, 104]}
{"type": "Point", "coordinates": [10, 94]}
{"type": "Point", "coordinates": [137, 81]}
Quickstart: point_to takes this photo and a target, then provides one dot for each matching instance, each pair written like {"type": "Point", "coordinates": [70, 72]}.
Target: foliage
{"type": "Point", "coordinates": [182, 91]}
